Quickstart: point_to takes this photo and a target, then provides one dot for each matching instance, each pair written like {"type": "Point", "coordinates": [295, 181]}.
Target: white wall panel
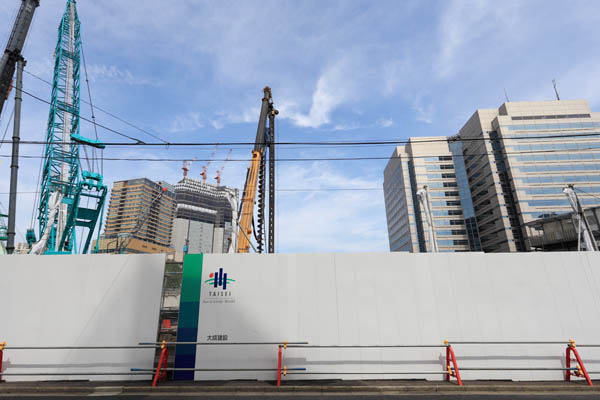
{"type": "Point", "coordinates": [79, 300]}
{"type": "Point", "coordinates": [401, 298]}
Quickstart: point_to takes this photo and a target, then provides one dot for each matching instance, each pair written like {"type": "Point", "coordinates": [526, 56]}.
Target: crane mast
{"type": "Point", "coordinates": [64, 184]}
{"type": "Point", "coordinates": [12, 53]}
{"type": "Point", "coordinates": [255, 179]}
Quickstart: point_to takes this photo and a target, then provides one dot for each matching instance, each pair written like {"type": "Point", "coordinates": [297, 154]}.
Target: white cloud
{"type": "Point", "coordinates": [321, 221]}
{"type": "Point", "coordinates": [186, 123]}
{"type": "Point", "coordinates": [334, 87]}
{"type": "Point", "coordinates": [385, 122]}
{"type": "Point", "coordinates": [103, 72]}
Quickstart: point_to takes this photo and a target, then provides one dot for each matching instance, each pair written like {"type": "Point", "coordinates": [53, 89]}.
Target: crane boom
{"type": "Point", "coordinates": [252, 178]}
{"type": "Point", "coordinates": [12, 53]}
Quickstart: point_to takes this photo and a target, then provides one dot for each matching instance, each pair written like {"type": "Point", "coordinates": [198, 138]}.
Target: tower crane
{"type": "Point", "coordinates": [220, 170]}
{"type": "Point", "coordinates": [186, 166]}
{"type": "Point", "coordinates": [204, 173]}
{"type": "Point", "coordinates": [256, 179]}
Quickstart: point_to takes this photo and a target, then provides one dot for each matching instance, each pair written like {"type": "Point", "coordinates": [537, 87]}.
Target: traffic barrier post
{"type": "Point", "coordinates": [451, 359]}
{"type": "Point", "coordinates": [161, 372]}
{"type": "Point", "coordinates": [1, 357]}
{"type": "Point", "coordinates": [580, 370]}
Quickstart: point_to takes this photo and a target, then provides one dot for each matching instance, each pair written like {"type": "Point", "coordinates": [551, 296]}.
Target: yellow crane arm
{"type": "Point", "coordinates": [249, 197]}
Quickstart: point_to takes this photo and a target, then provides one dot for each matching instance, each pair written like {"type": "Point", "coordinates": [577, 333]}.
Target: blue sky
{"type": "Point", "coordinates": [191, 70]}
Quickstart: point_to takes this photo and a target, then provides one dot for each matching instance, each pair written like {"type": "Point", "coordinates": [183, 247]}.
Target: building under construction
{"type": "Point", "coordinates": [204, 217]}
{"type": "Point", "coordinates": [140, 217]}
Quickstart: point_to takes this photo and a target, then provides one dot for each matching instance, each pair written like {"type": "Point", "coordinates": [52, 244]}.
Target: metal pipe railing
{"type": "Point", "coordinates": [366, 346]}
{"type": "Point", "coordinates": [222, 343]}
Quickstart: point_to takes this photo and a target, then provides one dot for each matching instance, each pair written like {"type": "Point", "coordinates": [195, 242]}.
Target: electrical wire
{"type": "Point", "coordinates": [87, 83]}
{"type": "Point", "coordinates": [139, 142]}
{"type": "Point", "coordinates": [7, 126]}
{"type": "Point", "coordinates": [326, 158]}
{"type": "Point", "coordinates": [103, 110]}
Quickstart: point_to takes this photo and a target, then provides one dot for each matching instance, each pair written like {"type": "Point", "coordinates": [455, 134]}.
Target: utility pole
{"type": "Point", "coordinates": [423, 195]}
{"type": "Point", "coordinates": [583, 224]}
{"type": "Point", "coordinates": [14, 163]}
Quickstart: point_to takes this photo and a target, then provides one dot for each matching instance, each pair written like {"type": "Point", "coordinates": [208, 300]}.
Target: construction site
{"type": "Point", "coordinates": [149, 282]}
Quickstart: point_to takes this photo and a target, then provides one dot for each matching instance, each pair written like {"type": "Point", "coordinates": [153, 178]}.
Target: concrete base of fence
{"type": "Point", "coordinates": [296, 387]}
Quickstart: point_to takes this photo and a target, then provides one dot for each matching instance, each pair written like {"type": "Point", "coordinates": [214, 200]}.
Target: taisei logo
{"type": "Point", "coordinates": [219, 279]}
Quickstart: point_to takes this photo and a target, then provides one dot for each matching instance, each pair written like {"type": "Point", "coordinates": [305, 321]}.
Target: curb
{"type": "Point", "coordinates": [298, 390]}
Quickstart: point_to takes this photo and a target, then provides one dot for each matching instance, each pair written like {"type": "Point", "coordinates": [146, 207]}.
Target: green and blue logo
{"type": "Point", "coordinates": [219, 279]}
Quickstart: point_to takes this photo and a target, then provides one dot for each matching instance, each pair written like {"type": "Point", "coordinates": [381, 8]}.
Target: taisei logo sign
{"type": "Point", "coordinates": [219, 279]}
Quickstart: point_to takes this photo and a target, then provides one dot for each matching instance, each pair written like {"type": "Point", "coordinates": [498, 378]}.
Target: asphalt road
{"type": "Point", "coordinates": [470, 396]}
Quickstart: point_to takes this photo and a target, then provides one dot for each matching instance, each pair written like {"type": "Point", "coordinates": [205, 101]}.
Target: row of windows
{"type": "Point", "coordinates": [439, 175]}
{"type": "Point", "coordinates": [441, 213]}
{"type": "Point", "coordinates": [544, 135]}
{"type": "Point", "coordinates": [555, 146]}
{"type": "Point", "coordinates": [560, 178]}
{"type": "Point", "coordinates": [562, 202]}
{"type": "Point", "coordinates": [443, 194]}
{"type": "Point", "coordinates": [451, 232]}
{"type": "Point", "coordinates": [562, 125]}
{"type": "Point", "coordinates": [450, 242]}
{"type": "Point", "coordinates": [559, 189]}
{"type": "Point", "coordinates": [438, 158]}
{"type": "Point", "coordinates": [441, 184]}
{"type": "Point", "coordinates": [557, 157]}
{"type": "Point", "coordinates": [559, 167]}
{"type": "Point", "coordinates": [529, 117]}
{"type": "Point", "coordinates": [443, 203]}
{"type": "Point", "coordinates": [449, 222]}
{"type": "Point", "coordinates": [439, 167]}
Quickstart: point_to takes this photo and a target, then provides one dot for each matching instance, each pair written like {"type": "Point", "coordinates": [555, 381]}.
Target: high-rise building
{"type": "Point", "coordinates": [204, 217]}
{"type": "Point", "coordinates": [520, 157]}
{"type": "Point", "coordinates": [510, 166]}
{"type": "Point", "coordinates": [437, 163]}
{"type": "Point", "coordinates": [140, 217]}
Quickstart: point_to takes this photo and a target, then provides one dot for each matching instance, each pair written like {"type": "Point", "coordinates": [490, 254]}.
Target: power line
{"type": "Point", "coordinates": [94, 107]}
{"type": "Point", "coordinates": [138, 142]}
{"type": "Point", "coordinates": [322, 158]}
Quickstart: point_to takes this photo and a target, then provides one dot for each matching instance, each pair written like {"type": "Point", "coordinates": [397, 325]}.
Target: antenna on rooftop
{"type": "Point", "coordinates": [555, 90]}
{"type": "Point", "coordinates": [506, 95]}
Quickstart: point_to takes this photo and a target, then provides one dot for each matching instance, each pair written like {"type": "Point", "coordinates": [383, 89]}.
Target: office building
{"type": "Point", "coordinates": [204, 220]}
{"type": "Point", "coordinates": [510, 165]}
{"type": "Point", "coordinates": [435, 162]}
{"type": "Point", "coordinates": [140, 217]}
{"type": "Point", "coordinates": [519, 158]}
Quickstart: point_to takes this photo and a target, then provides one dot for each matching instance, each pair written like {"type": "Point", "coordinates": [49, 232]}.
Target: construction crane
{"type": "Point", "coordinates": [12, 58]}
{"type": "Point", "coordinates": [204, 173]}
{"type": "Point", "coordinates": [12, 53]}
{"type": "Point", "coordinates": [65, 186]}
{"type": "Point", "coordinates": [186, 166]}
{"type": "Point", "coordinates": [220, 170]}
{"type": "Point", "coordinates": [256, 179]}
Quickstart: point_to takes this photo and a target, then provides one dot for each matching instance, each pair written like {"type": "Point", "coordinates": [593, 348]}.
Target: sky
{"type": "Point", "coordinates": [193, 71]}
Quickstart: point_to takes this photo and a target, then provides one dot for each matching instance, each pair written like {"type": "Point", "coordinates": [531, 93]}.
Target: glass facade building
{"type": "Point", "coordinates": [506, 168]}
{"type": "Point", "coordinates": [430, 162]}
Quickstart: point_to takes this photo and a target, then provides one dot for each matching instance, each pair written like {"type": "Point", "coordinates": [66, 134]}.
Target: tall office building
{"type": "Point", "coordinates": [435, 162]}
{"type": "Point", "coordinates": [510, 166]}
{"type": "Point", "coordinates": [520, 157]}
{"type": "Point", "coordinates": [204, 217]}
{"type": "Point", "coordinates": [140, 217]}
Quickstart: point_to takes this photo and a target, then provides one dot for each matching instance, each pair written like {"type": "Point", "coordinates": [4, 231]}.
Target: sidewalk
{"type": "Point", "coordinates": [370, 387]}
